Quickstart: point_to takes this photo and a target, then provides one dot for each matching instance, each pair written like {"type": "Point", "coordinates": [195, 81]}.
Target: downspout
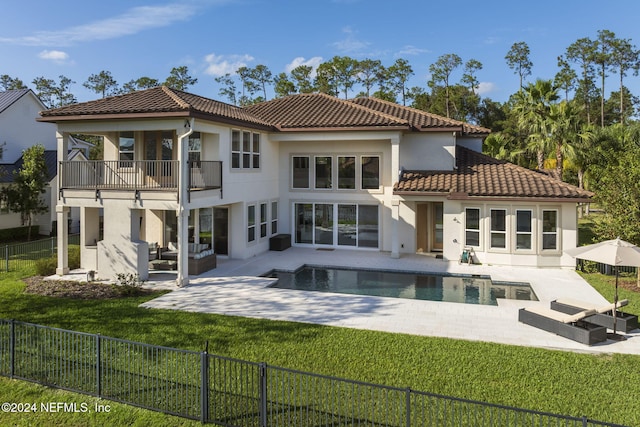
{"type": "Point", "coordinates": [183, 253]}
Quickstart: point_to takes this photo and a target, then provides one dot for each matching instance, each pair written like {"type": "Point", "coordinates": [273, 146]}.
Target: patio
{"type": "Point", "coordinates": [235, 289]}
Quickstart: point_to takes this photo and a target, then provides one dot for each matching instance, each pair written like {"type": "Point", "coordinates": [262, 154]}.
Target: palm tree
{"type": "Point", "coordinates": [564, 126]}
{"type": "Point", "coordinates": [532, 109]}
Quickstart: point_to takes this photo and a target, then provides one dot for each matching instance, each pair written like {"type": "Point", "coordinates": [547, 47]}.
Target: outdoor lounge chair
{"type": "Point", "coordinates": [572, 326]}
{"type": "Point", "coordinates": [604, 314]}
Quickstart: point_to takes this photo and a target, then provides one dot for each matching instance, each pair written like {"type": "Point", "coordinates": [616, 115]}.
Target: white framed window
{"type": "Point", "coordinates": [524, 229]}
{"type": "Point", "coordinates": [236, 151]}
{"type": "Point", "coordinates": [263, 220]}
{"type": "Point", "coordinates": [274, 217]}
{"type": "Point", "coordinates": [300, 172]}
{"type": "Point", "coordinates": [370, 172]}
{"type": "Point", "coordinates": [251, 223]}
{"type": "Point", "coordinates": [323, 171]}
{"type": "Point", "coordinates": [126, 147]}
{"type": "Point", "coordinates": [255, 151]}
{"type": "Point", "coordinates": [498, 229]}
{"type": "Point", "coordinates": [347, 172]}
{"type": "Point", "coordinates": [472, 227]}
{"type": "Point", "coordinates": [245, 150]}
{"type": "Point", "coordinates": [550, 229]}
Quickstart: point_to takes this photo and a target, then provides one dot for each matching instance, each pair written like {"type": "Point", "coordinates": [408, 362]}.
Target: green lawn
{"type": "Point", "coordinates": [603, 387]}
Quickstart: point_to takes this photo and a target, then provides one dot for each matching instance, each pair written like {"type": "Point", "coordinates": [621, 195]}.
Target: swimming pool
{"type": "Point", "coordinates": [411, 285]}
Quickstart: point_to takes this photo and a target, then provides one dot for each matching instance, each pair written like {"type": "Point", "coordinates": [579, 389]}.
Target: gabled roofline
{"type": "Point", "coordinates": [25, 92]}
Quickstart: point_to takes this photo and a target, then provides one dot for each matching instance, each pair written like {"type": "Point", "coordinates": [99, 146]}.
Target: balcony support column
{"type": "Point", "coordinates": [183, 203]}
{"type": "Point", "coordinates": [63, 239]}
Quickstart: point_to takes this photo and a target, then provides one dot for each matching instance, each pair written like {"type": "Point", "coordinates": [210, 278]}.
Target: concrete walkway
{"type": "Point", "coordinates": [235, 288]}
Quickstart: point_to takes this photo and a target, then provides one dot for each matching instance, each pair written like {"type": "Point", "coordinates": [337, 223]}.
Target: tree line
{"type": "Point", "coordinates": [55, 94]}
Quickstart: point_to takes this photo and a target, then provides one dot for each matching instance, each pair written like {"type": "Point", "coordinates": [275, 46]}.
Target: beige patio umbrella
{"type": "Point", "coordinates": [614, 252]}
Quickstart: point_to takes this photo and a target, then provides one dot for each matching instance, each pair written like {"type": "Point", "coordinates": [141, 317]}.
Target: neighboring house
{"type": "Point", "coordinates": [19, 130]}
{"type": "Point", "coordinates": [355, 174]}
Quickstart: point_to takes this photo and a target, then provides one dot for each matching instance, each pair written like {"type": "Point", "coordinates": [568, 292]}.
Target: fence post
{"type": "Point", "coordinates": [53, 246]}
{"type": "Point", "coordinates": [408, 406]}
{"type": "Point", "coordinates": [204, 386]}
{"type": "Point", "coordinates": [98, 365]}
{"type": "Point", "coordinates": [263, 394]}
{"type": "Point", "coordinates": [6, 257]}
{"type": "Point", "coordinates": [12, 348]}
{"type": "Point", "coordinates": [585, 421]}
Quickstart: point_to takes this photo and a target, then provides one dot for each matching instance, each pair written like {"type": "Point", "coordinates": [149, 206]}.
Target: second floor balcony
{"type": "Point", "coordinates": [161, 175]}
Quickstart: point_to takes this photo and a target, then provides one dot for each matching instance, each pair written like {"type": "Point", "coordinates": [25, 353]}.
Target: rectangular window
{"type": "Point", "coordinates": [523, 229]}
{"type": "Point", "coordinates": [549, 229]}
{"type": "Point", "coordinates": [126, 147]}
{"type": "Point", "coordinates": [263, 220]}
{"type": "Point", "coordinates": [347, 172]}
{"type": "Point", "coordinates": [300, 172]}
{"type": "Point", "coordinates": [235, 149]}
{"type": "Point", "coordinates": [251, 223]}
{"type": "Point", "coordinates": [245, 150]}
{"type": "Point", "coordinates": [195, 147]}
{"type": "Point", "coordinates": [499, 228]}
{"type": "Point", "coordinates": [274, 218]}
{"type": "Point", "coordinates": [370, 172]}
{"type": "Point", "coordinates": [255, 152]}
{"type": "Point", "coordinates": [472, 227]}
{"type": "Point", "coordinates": [323, 172]}
{"type": "Point", "coordinates": [367, 226]}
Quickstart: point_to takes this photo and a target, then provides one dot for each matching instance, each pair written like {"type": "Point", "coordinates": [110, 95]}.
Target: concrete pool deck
{"type": "Point", "coordinates": [235, 289]}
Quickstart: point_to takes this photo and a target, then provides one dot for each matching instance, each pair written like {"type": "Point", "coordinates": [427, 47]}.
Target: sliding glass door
{"type": "Point", "coordinates": [354, 225]}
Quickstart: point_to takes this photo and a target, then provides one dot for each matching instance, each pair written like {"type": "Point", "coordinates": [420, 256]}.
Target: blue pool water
{"type": "Point", "coordinates": [431, 287]}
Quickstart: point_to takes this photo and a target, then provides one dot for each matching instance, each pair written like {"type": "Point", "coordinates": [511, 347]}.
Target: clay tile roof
{"type": "Point", "coordinates": [156, 101]}
{"type": "Point", "coordinates": [478, 175]}
{"type": "Point", "coordinates": [419, 119]}
{"type": "Point", "coordinates": [321, 111]}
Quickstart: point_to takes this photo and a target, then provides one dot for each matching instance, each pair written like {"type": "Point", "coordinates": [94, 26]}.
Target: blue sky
{"type": "Point", "coordinates": [132, 38]}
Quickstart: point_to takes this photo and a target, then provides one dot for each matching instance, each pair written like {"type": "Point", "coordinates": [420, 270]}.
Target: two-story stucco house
{"type": "Point", "coordinates": [359, 174]}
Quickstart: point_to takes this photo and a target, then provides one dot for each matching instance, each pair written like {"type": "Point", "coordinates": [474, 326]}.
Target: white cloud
{"type": "Point", "coordinates": [411, 50]}
{"type": "Point", "coordinates": [298, 61]}
{"type": "Point", "coordinates": [131, 22]}
{"type": "Point", "coordinates": [486, 87]}
{"type": "Point", "coordinates": [219, 65]}
{"type": "Point", "coordinates": [56, 56]}
{"type": "Point", "coordinates": [350, 44]}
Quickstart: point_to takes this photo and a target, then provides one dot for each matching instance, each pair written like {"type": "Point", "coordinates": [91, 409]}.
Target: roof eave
{"type": "Point", "coordinates": [453, 195]}
{"type": "Point", "coordinates": [339, 128]}
{"type": "Point", "coordinates": [111, 116]}
{"type": "Point", "coordinates": [490, 198]}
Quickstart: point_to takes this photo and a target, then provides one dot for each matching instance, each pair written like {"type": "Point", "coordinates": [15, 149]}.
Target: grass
{"type": "Point", "coordinates": [603, 387]}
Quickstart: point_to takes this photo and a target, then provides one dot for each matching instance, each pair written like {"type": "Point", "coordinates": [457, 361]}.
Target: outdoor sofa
{"type": "Point", "coordinates": [604, 313]}
{"type": "Point", "coordinates": [201, 258]}
{"type": "Point", "coordinates": [572, 326]}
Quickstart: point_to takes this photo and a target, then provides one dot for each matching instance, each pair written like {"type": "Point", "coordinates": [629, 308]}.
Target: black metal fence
{"type": "Point", "coordinates": [231, 392]}
{"type": "Point", "coordinates": [24, 255]}
{"type": "Point", "coordinates": [592, 267]}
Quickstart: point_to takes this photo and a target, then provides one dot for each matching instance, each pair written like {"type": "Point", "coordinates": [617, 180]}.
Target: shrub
{"type": "Point", "coordinates": [130, 283]}
{"type": "Point", "coordinates": [47, 266]}
{"type": "Point", "coordinates": [18, 234]}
